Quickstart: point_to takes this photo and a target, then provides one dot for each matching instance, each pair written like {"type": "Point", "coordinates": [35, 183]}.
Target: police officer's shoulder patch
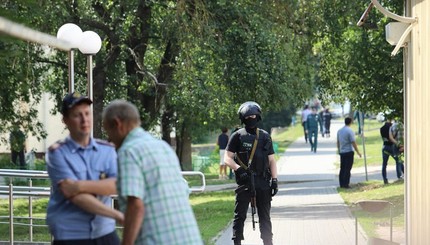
{"type": "Point", "coordinates": [56, 145]}
{"type": "Point", "coordinates": [104, 142]}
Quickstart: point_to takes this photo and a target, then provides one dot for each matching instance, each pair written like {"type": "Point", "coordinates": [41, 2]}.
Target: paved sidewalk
{"type": "Point", "coordinates": [308, 210]}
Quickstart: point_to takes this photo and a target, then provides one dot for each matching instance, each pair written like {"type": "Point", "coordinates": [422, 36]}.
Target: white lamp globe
{"type": "Point", "coordinates": [90, 43]}
{"type": "Point", "coordinates": [71, 33]}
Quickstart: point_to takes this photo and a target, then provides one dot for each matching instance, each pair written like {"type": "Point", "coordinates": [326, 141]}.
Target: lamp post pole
{"type": "Point", "coordinates": [71, 71]}
{"type": "Point", "coordinates": [71, 33]}
{"type": "Point", "coordinates": [90, 44]}
{"type": "Point", "coordinates": [90, 87]}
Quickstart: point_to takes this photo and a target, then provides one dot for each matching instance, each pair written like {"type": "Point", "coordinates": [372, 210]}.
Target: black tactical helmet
{"type": "Point", "coordinates": [249, 108]}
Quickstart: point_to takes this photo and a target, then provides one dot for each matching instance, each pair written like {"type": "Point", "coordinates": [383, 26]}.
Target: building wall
{"type": "Point", "coordinates": [418, 125]}
{"type": "Point", "coordinates": [53, 125]}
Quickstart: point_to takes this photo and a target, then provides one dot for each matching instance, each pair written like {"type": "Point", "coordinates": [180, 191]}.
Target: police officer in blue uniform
{"type": "Point", "coordinates": [250, 154]}
{"type": "Point", "coordinates": [83, 172]}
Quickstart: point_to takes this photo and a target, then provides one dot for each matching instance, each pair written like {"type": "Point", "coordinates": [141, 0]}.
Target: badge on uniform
{"type": "Point", "coordinates": [102, 175]}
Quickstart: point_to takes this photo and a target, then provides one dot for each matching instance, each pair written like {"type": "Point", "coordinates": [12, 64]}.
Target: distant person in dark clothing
{"type": "Point", "coordinates": [359, 117]}
{"type": "Point", "coordinates": [311, 126]}
{"type": "Point", "coordinates": [17, 146]}
{"type": "Point", "coordinates": [222, 143]}
{"type": "Point", "coordinates": [306, 111]}
{"type": "Point", "coordinates": [387, 148]}
{"type": "Point", "coordinates": [346, 146]}
{"type": "Point", "coordinates": [321, 122]}
{"type": "Point", "coordinates": [397, 137]}
{"type": "Point", "coordinates": [326, 118]}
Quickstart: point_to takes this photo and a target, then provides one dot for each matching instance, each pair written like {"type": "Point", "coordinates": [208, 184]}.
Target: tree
{"type": "Point", "coordinates": [186, 64]}
{"type": "Point", "coordinates": [21, 81]}
{"type": "Point", "coordinates": [355, 62]}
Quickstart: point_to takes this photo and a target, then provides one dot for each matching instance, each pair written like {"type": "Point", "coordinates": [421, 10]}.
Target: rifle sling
{"type": "Point", "coordinates": [254, 146]}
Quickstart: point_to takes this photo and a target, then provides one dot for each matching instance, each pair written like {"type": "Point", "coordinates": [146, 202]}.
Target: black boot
{"type": "Point", "coordinates": [237, 242]}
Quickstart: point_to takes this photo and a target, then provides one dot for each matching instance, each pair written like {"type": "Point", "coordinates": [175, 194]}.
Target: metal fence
{"type": "Point", "coordinates": [30, 192]}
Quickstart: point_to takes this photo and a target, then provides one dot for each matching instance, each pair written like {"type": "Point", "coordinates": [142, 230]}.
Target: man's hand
{"type": "Point", "coordinates": [69, 188]}
{"type": "Point", "coordinates": [119, 217]}
{"type": "Point", "coordinates": [274, 186]}
{"type": "Point", "coordinates": [241, 175]}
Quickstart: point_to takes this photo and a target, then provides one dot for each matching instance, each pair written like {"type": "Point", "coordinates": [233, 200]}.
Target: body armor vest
{"type": "Point", "coordinates": [260, 161]}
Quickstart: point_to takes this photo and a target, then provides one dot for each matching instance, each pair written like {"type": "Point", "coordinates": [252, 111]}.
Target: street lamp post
{"type": "Point", "coordinates": [90, 44]}
{"type": "Point", "coordinates": [71, 33]}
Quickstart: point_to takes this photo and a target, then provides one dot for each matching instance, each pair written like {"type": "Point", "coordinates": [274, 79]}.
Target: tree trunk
{"type": "Point", "coordinates": [98, 98]}
{"type": "Point", "coordinates": [183, 148]}
{"type": "Point", "coordinates": [166, 125]}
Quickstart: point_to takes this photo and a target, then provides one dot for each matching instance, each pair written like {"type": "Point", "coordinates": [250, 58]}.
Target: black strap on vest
{"type": "Point", "coordinates": [254, 146]}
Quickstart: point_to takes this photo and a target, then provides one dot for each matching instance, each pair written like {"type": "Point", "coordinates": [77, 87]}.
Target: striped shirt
{"type": "Point", "coordinates": [148, 169]}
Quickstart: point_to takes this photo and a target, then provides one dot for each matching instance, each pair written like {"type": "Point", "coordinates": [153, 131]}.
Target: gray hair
{"type": "Point", "coordinates": [123, 110]}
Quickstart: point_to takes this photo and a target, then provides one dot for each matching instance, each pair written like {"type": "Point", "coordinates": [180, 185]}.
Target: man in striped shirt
{"type": "Point", "coordinates": [151, 191]}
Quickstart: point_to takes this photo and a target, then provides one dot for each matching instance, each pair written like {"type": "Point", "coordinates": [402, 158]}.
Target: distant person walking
{"type": "Point", "coordinates": [326, 118]}
{"type": "Point", "coordinates": [346, 146]}
{"type": "Point", "coordinates": [311, 126]}
{"type": "Point", "coordinates": [222, 144]}
{"type": "Point", "coordinates": [306, 111]}
{"type": "Point", "coordinates": [359, 117]}
{"type": "Point", "coordinates": [387, 148]}
{"type": "Point", "coordinates": [397, 138]}
{"type": "Point", "coordinates": [17, 147]}
{"type": "Point", "coordinates": [321, 122]}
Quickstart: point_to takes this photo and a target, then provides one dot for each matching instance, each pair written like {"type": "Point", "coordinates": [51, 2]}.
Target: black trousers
{"type": "Point", "coordinates": [327, 127]}
{"type": "Point", "coordinates": [387, 151]}
{"type": "Point", "coordinates": [346, 162]}
{"type": "Point", "coordinates": [304, 131]}
{"type": "Point", "coordinates": [263, 203]}
{"type": "Point", "coordinates": [21, 156]}
{"type": "Point", "coordinates": [109, 239]}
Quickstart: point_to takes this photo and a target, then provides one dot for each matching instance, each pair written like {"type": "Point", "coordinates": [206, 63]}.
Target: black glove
{"type": "Point", "coordinates": [274, 186]}
{"type": "Point", "coordinates": [241, 176]}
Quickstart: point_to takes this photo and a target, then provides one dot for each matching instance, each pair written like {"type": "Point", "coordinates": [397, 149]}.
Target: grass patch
{"type": "Point", "coordinates": [210, 178]}
{"type": "Point", "coordinates": [21, 228]}
{"type": "Point", "coordinates": [373, 141]}
{"type": "Point", "coordinates": [375, 190]}
{"type": "Point", "coordinates": [213, 210]}
{"type": "Point", "coordinates": [284, 137]}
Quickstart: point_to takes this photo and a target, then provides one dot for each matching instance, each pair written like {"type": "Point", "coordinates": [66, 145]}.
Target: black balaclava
{"type": "Point", "coordinates": [251, 122]}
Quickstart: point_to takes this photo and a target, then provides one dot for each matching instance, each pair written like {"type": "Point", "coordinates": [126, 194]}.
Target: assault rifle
{"type": "Point", "coordinates": [253, 200]}
{"type": "Point", "coordinates": [252, 180]}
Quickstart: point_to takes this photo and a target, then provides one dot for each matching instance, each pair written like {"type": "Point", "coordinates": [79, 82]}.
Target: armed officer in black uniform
{"type": "Point", "coordinates": [250, 154]}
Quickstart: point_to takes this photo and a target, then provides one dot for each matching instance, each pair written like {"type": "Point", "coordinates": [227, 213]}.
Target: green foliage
{"type": "Point", "coordinates": [285, 136]}
{"type": "Point", "coordinates": [21, 232]}
{"type": "Point", "coordinates": [355, 62]}
{"type": "Point", "coordinates": [189, 64]}
{"type": "Point", "coordinates": [277, 119]}
{"type": "Point", "coordinates": [213, 210]}
{"type": "Point", "coordinates": [208, 57]}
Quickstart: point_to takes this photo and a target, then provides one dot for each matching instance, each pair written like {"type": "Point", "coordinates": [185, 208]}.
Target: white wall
{"type": "Point", "coordinates": [417, 126]}
{"type": "Point", "coordinates": [53, 125]}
